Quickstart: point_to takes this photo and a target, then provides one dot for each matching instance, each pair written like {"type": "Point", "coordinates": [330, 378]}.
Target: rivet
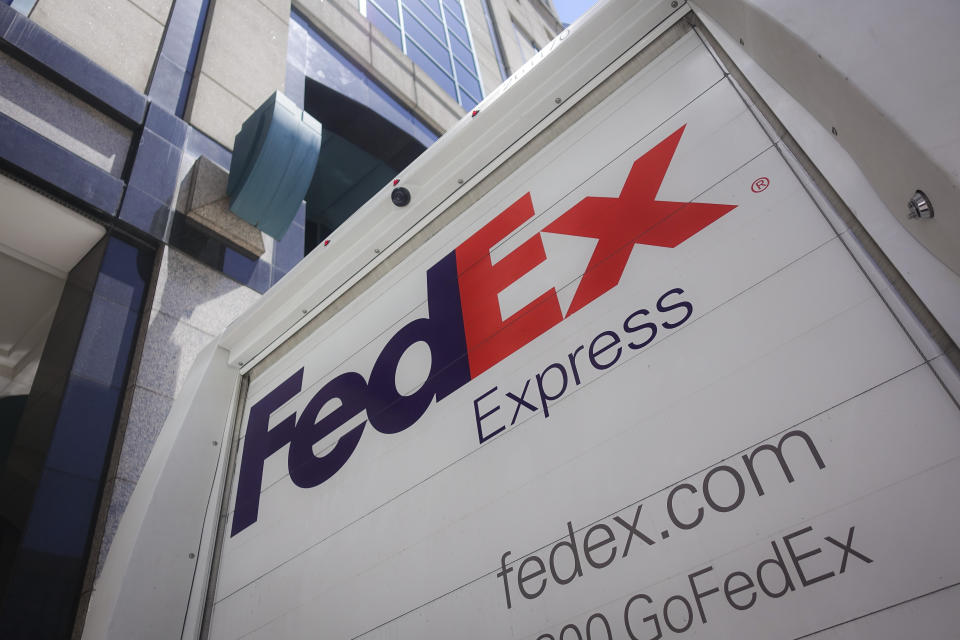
{"type": "Point", "coordinates": [558, 100]}
{"type": "Point", "coordinates": [376, 250]}
{"type": "Point", "coordinates": [215, 443]}
{"type": "Point", "coordinates": [459, 180]}
{"type": "Point", "coordinates": [833, 130]}
{"type": "Point", "coordinates": [741, 41]}
{"type": "Point", "coordinates": [191, 555]}
{"type": "Point", "coordinates": [673, 5]}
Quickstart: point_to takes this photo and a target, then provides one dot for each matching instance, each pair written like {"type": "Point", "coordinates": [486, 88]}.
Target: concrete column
{"type": "Point", "coordinates": [121, 36]}
{"type": "Point", "coordinates": [242, 62]}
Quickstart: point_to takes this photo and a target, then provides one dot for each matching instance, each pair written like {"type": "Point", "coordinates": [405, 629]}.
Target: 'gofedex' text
{"type": "Point", "coordinates": [465, 330]}
{"type": "Point", "coordinates": [795, 559]}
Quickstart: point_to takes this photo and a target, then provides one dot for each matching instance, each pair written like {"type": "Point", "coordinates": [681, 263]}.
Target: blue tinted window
{"type": "Point", "coordinates": [470, 84]}
{"type": "Point", "coordinates": [388, 7]}
{"type": "Point", "coordinates": [427, 42]}
{"type": "Point", "coordinates": [434, 34]}
{"type": "Point", "coordinates": [462, 52]}
{"type": "Point", "coordinates": [23, 6]}
{"type": "Point", "coordinates": [458, 28]}
{"type": "Point", "coordinates": [382, 22]}
{"type": "Point", "coordinates": [453, 7]}
{"type": "Point", "coordinates": [430, 19]}
{"type": "Point", "coordinates": [438, 74]}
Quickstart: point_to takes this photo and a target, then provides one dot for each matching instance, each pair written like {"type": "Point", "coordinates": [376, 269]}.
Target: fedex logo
{"type": "Point", "coordinates": [465, 329]}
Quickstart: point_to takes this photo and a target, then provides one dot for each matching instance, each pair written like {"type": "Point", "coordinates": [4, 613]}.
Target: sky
{"type": "Point", "coordinates": [570, 10]}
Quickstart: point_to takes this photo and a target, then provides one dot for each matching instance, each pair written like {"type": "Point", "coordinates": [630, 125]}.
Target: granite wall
{"type": "Point", "coordinates": [190, 305]}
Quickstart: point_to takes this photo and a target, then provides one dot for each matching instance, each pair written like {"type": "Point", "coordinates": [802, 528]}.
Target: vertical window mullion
{"type": "Point", "coordinates": [446, 38]}
{"type": "Point", "coordinates": [403, 28]}
{"type": "Point", "coordinates": [473, 49]}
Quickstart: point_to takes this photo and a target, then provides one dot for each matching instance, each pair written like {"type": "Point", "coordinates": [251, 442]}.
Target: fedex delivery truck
{"type": "Point", "coordinates": [659, 341]}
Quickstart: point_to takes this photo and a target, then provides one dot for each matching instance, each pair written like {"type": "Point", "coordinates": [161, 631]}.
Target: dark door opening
{"type": "Point", "coordinates": [360, 152]}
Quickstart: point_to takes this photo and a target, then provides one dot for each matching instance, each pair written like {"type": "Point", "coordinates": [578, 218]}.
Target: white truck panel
{"type": "Point", "coordinates": [695, 307]}
{"type": "Point", "coordinates": [785, 333]}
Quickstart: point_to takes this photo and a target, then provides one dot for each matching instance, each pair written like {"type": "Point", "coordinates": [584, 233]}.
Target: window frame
{"type": "Point", "coordinates": [463, 88]}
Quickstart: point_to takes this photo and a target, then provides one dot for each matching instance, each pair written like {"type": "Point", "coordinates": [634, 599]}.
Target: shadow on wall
{"type": "Point", "coordinates": [63, 118]}
{"type": "Point", "coordinates": [55, 468]}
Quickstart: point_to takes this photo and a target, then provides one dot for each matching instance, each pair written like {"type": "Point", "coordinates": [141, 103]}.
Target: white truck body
{"type": "Point", "coordinates": [703, 382]}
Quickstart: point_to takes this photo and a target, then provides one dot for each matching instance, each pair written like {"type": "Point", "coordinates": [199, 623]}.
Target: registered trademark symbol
{"type": "Point", "coordinates": [760, 184]}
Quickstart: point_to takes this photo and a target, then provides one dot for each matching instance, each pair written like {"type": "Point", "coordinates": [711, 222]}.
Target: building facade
{"type": "Point", "coordinates": [119, 259]}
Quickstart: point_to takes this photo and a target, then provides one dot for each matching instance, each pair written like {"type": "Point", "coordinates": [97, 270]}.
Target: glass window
{"type": "Point", "coordinates": [389, 7]}
{"type": "Point", "coordinates": [431, 19]}
{"type": "Point", "coordinates": [426, 41]}
{"type": "Point", "coordinates": [458, 28]}
{"type": "Point", "coordinates": [381, 21]}
{"type": "Point", "coordinates": [453, 7]}
{"type": "Point", "coordinates": [23, 6]}
{"type": "Point", "coordinates": [434, 34]}
{"type": "Point", "coordinates": [427, 64]}
{"type": "Point", "coordinates": [468, 82]}
{"type": "Point", "coordinates": [462, 52]}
